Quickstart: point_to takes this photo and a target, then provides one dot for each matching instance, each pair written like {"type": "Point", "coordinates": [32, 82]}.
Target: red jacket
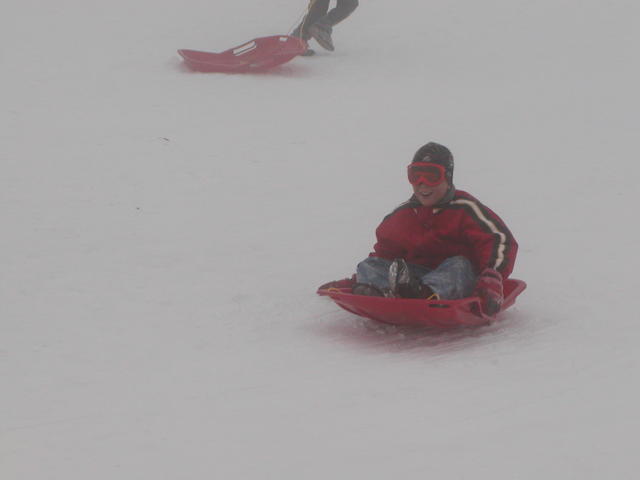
{"type": "Point", "coordinates": [459, 226]}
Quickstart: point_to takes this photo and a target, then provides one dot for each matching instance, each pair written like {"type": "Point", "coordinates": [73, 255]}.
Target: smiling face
{"type": "Point", "coordinates": [429, 196]}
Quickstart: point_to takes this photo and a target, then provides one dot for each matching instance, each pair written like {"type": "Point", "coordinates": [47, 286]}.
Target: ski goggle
{"type": "Point", "coordinates": [430, 174]}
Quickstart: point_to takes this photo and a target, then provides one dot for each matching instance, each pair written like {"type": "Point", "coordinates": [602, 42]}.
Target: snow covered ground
{"type": "Point", "coordinates": [164, 233]}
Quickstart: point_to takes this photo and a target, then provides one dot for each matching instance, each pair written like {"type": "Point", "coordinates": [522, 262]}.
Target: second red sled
{"type": "Point", "coordinates": [257, 55]}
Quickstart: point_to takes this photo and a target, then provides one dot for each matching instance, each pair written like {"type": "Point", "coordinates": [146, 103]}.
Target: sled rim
{"type": "Point", "coordinates": [442, 314]}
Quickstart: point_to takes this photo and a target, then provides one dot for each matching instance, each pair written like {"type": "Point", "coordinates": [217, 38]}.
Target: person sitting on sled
{"type": "Point", "coordinates": [317, 23]}
{"type": "Point", "coordinates": [440, 244]}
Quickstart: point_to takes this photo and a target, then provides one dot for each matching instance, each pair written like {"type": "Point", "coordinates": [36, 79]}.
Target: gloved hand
{"type": "Point", "coordinates": [489, 289]}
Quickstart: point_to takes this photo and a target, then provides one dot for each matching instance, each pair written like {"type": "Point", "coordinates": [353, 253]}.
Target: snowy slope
{"type": "Point", "coordinates": [165, 231]}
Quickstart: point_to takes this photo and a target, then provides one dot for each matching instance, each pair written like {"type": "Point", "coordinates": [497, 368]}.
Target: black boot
{"type": "Point", "coordinates": [367, 290]}
{"type": "Point", "coordinates": [321, 32]}
{"type": "Point", "coordinates": [405, 285]}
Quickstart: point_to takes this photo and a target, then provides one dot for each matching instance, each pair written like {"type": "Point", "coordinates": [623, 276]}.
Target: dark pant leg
{"type": "Point", "coordinates": [343, 9]}
{"type": "Point", "coordinates": [317, 10]}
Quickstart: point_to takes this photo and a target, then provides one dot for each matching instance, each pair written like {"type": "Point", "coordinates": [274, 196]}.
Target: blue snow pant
{"type": "Point", "coordinates": [452, 279]}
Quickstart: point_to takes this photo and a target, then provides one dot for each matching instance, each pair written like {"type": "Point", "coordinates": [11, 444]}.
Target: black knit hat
{"type": "Point", "coordinates": [435, 153]}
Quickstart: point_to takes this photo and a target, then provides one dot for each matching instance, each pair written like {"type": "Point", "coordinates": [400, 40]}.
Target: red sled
{"type": "Point", "coordinates": [443, 314]}
{"type": "Point", "coordinates": [258, 55]}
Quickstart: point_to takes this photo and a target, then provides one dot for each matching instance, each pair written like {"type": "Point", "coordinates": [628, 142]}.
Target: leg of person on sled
{"type": "Point", "coordinates": [442, 243]}
{"type": "Point", "coordinates": [319, 22]}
